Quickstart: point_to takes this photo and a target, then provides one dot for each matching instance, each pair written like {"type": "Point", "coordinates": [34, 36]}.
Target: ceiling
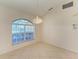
{"type": "Point", "coordinates": [33, 7]}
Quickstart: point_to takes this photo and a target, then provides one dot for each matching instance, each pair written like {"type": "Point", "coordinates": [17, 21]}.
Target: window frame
{"type": "Point", "coordinates": [34, 33]}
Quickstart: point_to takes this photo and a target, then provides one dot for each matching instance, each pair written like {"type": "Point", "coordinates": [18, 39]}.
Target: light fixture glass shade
{"type": "Point", "coordinates": [37, 20]}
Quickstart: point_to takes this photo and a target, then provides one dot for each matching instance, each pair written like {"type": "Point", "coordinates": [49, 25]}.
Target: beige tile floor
{"type": "Point", "coordinates": [40, 51]}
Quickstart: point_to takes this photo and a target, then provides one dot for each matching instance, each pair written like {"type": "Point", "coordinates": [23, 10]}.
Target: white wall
{"type": "Point", "coordinates": [58, 29]}
{"type": "Point", "coordinates": [7, 15]}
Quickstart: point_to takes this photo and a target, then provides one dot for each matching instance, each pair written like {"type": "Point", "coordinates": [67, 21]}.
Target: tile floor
{"type": "Point", "coordinates": [40, 51]}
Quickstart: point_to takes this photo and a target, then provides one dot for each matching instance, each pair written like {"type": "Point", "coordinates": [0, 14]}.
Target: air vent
{"type": "Point", "coordinates": [70, 4]}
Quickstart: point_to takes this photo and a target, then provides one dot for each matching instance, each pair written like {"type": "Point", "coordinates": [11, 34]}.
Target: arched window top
{"type": "Point", "coordinates": [22, 21]}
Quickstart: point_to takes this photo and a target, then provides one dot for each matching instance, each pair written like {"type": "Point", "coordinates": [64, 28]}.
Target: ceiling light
{"type": "Point", "coordinates": [50, 9]}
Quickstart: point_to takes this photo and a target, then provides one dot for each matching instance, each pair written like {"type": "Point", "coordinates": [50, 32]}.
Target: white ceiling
{"type": "Point", "coordinates": [33, 7]}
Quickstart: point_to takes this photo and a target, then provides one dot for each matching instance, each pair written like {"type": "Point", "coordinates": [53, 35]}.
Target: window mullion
{"type": "Point", "coordinates": [24, 32]}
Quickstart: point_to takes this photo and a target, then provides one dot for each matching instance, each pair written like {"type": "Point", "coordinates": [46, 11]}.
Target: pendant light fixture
{"type": "Point", "coordinates": [37, 19]}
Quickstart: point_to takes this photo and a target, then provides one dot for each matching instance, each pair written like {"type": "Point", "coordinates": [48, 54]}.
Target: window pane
{"type": "Point", "coordinates": [29, 31]}
{"type": "Point", "coordinates": [18, 33]}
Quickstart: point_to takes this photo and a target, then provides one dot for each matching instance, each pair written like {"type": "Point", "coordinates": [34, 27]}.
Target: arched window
{"type": "Point", "coordinates": [22, 30]}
